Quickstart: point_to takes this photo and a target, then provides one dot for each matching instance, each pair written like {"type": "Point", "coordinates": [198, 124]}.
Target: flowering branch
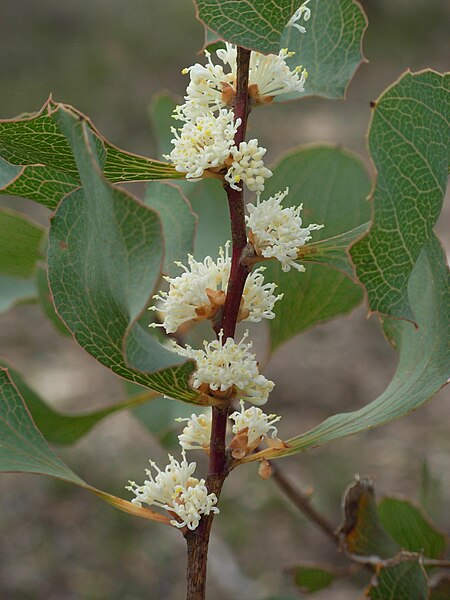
{"type": "Point", "coordinates": [197, 541]}
{"type": "Point", "coordinates": [239, 271]}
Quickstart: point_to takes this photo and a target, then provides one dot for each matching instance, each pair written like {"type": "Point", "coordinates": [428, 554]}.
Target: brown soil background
{"type": "Point", "coordinates": [108, 58]}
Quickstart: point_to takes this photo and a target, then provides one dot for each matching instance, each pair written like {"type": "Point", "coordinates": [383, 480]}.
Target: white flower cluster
{"type": "Point", "coordinates": [227, 369]}
{"type": "Point", "coordinates": [248, 166]}
{"type": "Point", "coordinates": [257, 423]}
{"type": "Point", "coordinates": [177, 491]}
{"type": "Point", "coordinates": [206, 138]}
{"type": "Point", "coordinates": [204, 143]}
{"type": "Point", "coordinates": [212, 86]}
{"type": "Point", "coordinates": [277, 232]}
{"type": "Point", "coordinates": [224, 368]}
{"type": "Point", "coordinates": [200, 291]}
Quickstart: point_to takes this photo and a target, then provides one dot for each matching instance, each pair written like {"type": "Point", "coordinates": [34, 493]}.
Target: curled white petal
{"type": "Point", "coordinates": [277, 232]}
{"type": "Point", "coordinates": [229, 366]}
{"type": "Point", "coordinates": [197, 433]}
{"type": "Point", "coordinates": [302, 12]}
{"type": "Point", "coordinates": [176, 490]}
{"type": "Point", "coordinates": [258, 423]}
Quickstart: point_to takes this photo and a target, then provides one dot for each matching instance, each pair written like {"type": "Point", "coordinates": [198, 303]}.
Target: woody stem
{"type": "Point", "coordinates": [198, 540]}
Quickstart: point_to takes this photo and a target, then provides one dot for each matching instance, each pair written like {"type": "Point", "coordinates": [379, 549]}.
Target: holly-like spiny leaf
{"type": "Point", "coordinates": [424, 359]}
{"type": "Point", "coordinates": [331, 48]}
{"type": "Point", "coordinates": [38, 163]}
{"type": "Point", "coordinates": [409, 141]}
{"type": "Point", "coordinates": [23, 449]}
{"type": "Point", "coordinates": [105, 257]}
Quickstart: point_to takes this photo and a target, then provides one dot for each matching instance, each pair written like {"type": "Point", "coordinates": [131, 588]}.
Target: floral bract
{"type": "Point", "coordinates": [277, 232]}
{"type": "Point", "coordinates": [177, 491]}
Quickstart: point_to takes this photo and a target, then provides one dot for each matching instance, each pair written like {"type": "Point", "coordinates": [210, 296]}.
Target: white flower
{"type": "Point", "coordinates": [197, 433]}
{"type": "Point", "coordinates": [255, 421]}
{"type": "Point", "coordinates": [206, 90]}
{"type": "Point", "coordinates": [212, 87]}
{"type": "Point", "coordinates": [304, 12]}
{"type": "Point", "coordinates": [277, 232]}
{"type": "Point", "coordinates": [200, 291]}
{"type": "Point", "coordinates": [176, 490]}
{"type": "Point", "coordinates": [228, 369]}
{"type": "Point", "coordinates": [248, 166]}
{"type": "Point", "coordinates": [272, 76]}
{"type": "Point", "coordinates": [204, 143]}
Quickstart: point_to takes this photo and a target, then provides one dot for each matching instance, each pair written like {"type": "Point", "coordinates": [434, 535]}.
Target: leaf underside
{"type": "Point", "coordinates": [36, 160]}
{"type": "Point", "coordinates": [100, 300]}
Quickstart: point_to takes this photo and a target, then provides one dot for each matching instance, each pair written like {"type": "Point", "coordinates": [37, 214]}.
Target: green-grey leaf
{"type": "Point", "coordinates": [411, 528]}
{"type": "Point", "coordinates": [24, 449]}
{"type": "Point", "coordinates": [15, 291]}
{"type": "Point", "coordinates": [331, 48]}
{"type": "Point", "coordinates": [333, 252]}
{"type": "Point", "coordinates": [105, 256]}
{"type": "Point", "coordinates": [58, 428]}
{"type": "Point", "coordinates": [20, 240]}
{"type": "Point", "coordinates": [254, 24]}
{"type": "Point", "coordinates": [312, 578]}
{"type": "Point", "coordinates": [48, 169]}
{"type": "Point", "coordinates": [46, 300]}
{"type": "Point", "coordinates": [8, 173]}
{"type": "Point", "coordinates": [178, 221]}
{"type": "Point", "coordinates": [409, 141]}
{"type": "Point", "coordinates": [20, 243]}
{"type": "Point", "coordinates": [362, 533]}
{"type": "Point", "coordinates": [406, 580]}
{"type": "Point", "coordinates": [424, 359]}
{"type": "Point", "coordinates": [207, 197]}
{"type": "Point", "coordinates": [160, 112]}
{"type": "Point", "coordinates": [332, 184]}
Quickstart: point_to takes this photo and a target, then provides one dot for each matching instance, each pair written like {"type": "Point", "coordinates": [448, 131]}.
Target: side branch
{"type": "Point", "coordinates": [303, 503]}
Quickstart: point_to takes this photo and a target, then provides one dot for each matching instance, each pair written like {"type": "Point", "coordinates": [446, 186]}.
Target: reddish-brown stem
{"type": "Point", "coordinates": [197, 540]}
{"type": "Point", "coordinates": [302, 502]}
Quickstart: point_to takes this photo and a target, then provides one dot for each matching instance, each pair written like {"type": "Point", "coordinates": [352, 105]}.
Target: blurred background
{"type": "Point", "coordinates": [108, 58]}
